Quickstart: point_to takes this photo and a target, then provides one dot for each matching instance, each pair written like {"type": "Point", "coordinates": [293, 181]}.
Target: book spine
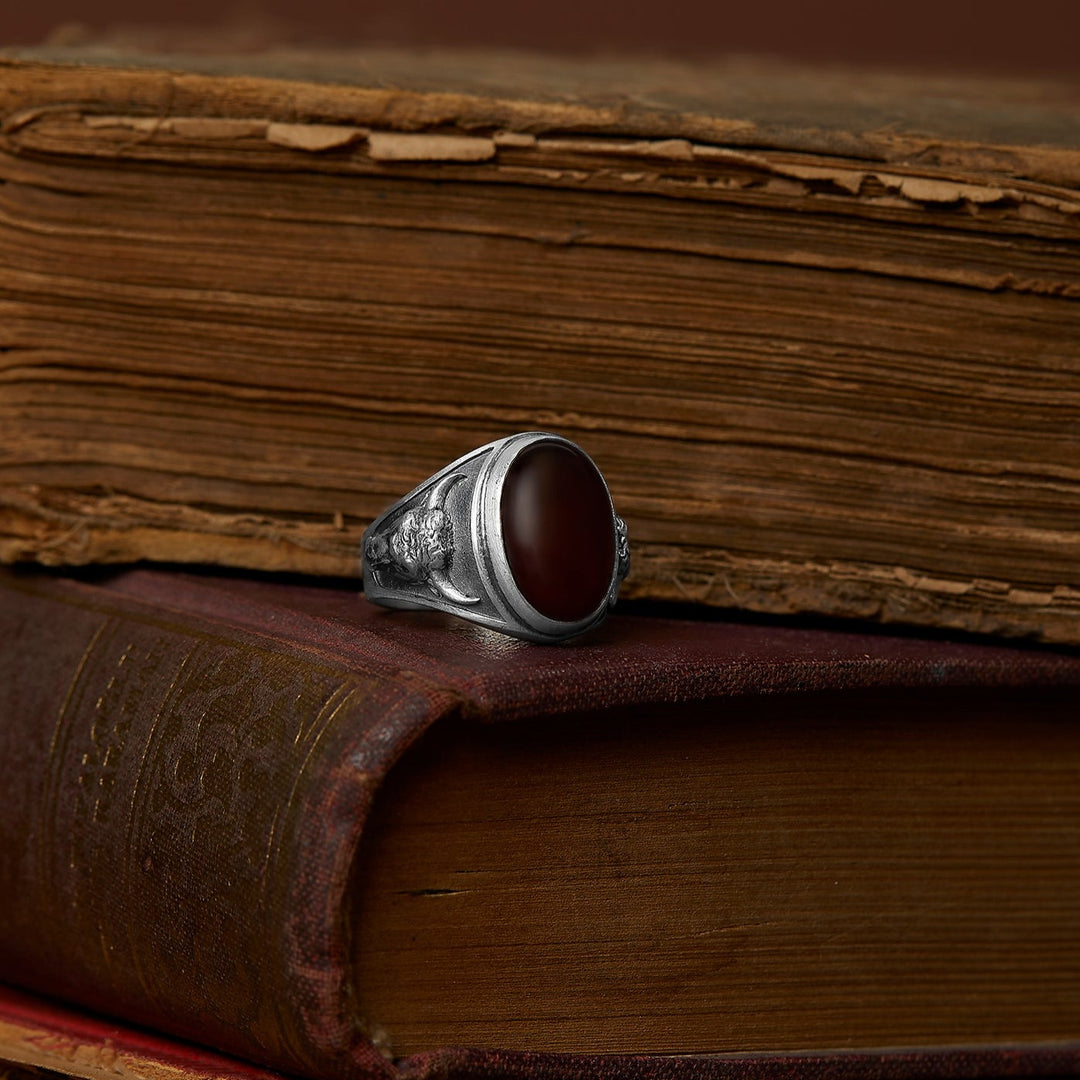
{"type": "Point", "coordinates": [183, 804]}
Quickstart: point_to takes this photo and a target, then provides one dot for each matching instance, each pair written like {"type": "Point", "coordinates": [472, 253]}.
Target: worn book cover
{"type": "Point", "coordinates": [338, 841]}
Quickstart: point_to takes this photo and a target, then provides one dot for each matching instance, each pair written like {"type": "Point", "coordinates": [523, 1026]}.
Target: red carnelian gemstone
{"type": "Point", "coordinates": [558, 530]}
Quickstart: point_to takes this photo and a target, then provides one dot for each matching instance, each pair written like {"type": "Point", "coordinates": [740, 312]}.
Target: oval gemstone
{"type": "Point", "coordinates": [558, 530]}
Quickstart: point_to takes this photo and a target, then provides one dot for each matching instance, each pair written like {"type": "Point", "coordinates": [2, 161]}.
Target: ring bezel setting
{"type": "Point", "coordinates": [443, 546]}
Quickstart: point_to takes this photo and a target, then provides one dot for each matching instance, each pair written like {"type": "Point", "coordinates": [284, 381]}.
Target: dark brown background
{"type": "Point", "coordinates": [995, 36]}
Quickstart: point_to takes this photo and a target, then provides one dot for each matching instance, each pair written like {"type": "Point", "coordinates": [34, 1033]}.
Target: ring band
{"type": "Point", "coordinates": [519, 536]}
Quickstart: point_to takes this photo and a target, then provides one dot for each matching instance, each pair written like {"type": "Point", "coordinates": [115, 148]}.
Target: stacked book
{"type": "Point", "coordinates": [819, 331]}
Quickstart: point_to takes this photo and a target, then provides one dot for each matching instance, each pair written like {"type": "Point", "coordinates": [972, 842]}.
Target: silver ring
{"type": "Point", "coordinates": [519, 536]}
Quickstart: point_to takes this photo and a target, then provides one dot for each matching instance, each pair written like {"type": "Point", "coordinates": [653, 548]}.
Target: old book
{"type": "Point", "coordinates": [321, 837]}
{"type": "Point", "coordinates": [818, 328]}
{"type": "Point", "coordinates": [44, 1041]}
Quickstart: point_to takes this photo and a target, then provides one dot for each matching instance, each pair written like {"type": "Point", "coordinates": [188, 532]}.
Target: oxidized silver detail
{"type": "Point", "coordinates": [441, 547]}
{"type": "Point", "coordinates": [420, 549]}
{"type": "Point", "coordinates": [622, 547]}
